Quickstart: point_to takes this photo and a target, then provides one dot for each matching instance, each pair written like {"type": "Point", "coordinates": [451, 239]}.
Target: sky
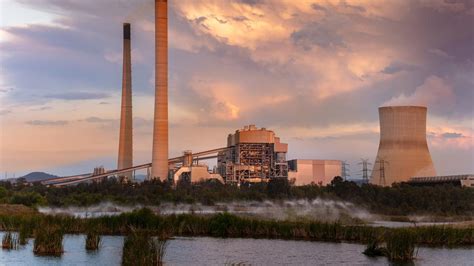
{"type": "Point", "coordinates": [314, 71]}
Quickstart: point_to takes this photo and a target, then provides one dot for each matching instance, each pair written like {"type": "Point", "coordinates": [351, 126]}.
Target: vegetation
{"type": "Point", "coordinates": [401, 199]}
{"type": "Point", "coordinates": [141, 248]}
{"type": "Point", "coordinates": [400, 246]}
{"type": "Point", "coordinates": [92, 240]}
{"type": "Point", "coordinates": [9, 241]}
{"type": "Point", "coordinates": [23, 234]}
{"type": "Point", "coordinates": [226, 225]}
{"type": "Point", "coordinates": [48, 238]}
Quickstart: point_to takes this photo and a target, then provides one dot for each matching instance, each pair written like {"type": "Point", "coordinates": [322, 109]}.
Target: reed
{"type": "Point", "coordinates": [48, 240]}
{"type": "Point", "coordinates": [23, 234]}
{"type": "Point", "coordinates": [9, 241]}
{"type": "Point", "coordinates": [401, 245]}
{"type": "Point", "coordinates": [228, 225]}
{"type": "Point", "coordinates": [92, 240]}
{"type": "Point", "coordinates": [140, 248]}
{"type": "Point", "coordinates": [374, 248]}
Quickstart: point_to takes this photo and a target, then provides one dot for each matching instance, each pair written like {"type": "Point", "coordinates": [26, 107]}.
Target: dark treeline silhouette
{"type": "Point", "coordinates": [400, 199]}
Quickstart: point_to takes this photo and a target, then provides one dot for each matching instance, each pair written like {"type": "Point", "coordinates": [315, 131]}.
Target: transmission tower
{"type": "Point", "coordinates": [345, 170]}
{"type": "Point", "coordinates": [365, 171]}
{"type": "Point", "coordinates": [381, 170]}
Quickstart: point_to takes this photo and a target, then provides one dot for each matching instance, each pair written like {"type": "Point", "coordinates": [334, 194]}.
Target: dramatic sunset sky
{"type": "Point", "coordinates": [313, 71]}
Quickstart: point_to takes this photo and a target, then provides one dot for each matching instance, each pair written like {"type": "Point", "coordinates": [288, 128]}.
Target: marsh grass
{"type": "Point", "coordinates": [401, 245]}
{"type": "Point", "coordinates": [374, 247]}
{"type": "Point", "coordinates": [23, 234]}
{"type": "Point", "coordinates": [9, 241]}
{"type": "Point", "coordinates": [93, 240]}
{"type": "Point", "coordinates": [228, 225]}
{"type": "Point", "coordinates": [141, 248]}
{"type": "Point", "coordinates": [48, 240]}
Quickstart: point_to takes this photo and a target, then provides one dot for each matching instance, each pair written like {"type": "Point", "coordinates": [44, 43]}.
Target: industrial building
{"type": "Point", "coordinates": [403, 150]}
{"type": "Point", "coordinates": [318, 172]}
{"type": "Point", "coordinates": [457, 180]}
{"type": "Point", "coordinates": [253, 155]}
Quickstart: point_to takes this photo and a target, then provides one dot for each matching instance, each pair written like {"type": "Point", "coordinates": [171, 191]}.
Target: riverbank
{"type": "Point", "coordinates": [231, 226]}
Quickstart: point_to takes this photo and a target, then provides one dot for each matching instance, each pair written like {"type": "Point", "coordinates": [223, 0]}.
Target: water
{"type": "Point", "coordinates": [217, 251]}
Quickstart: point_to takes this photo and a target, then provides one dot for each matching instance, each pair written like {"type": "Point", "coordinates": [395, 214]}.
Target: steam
{"type": "Point", "coordinates": [318, 209]}
{"type": "Point", "coordinates": [433, 92]}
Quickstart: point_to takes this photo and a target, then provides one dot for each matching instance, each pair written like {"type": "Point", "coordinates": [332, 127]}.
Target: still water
{"type": "Point", "coordinates": [216, 251]}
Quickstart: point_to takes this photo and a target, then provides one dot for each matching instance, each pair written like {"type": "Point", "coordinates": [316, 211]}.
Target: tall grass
{"type": "Point", "coordinates": [48, 240]}
{"type": "Point", "coordinates": [140, 248]}
{"type": "Point", "coordinates": [401, 245]}
{"type": "Point", "coordinates": [228, 225]}
{"type": "Point", "coordinates": [23, 234]}
{"type": "Point", "coordinates": [92, 240]}
{"type": "Point", "coordinates": [9, 241]}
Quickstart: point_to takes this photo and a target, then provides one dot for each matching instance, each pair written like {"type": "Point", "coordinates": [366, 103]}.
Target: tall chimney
{"type": "Point", "coordinates": [160, 130]}
{"type": "Point", "coordinates": [125, 155]}
{"type": "Point", "coordinates": [403, 151]}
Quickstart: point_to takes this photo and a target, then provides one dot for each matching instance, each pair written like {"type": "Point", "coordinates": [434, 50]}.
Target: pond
{"type": "Point", "coordinates": [218, 251]}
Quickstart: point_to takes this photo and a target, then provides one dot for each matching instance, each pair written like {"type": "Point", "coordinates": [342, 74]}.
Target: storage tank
{"type": "Point", "coordinates": [403, 149]}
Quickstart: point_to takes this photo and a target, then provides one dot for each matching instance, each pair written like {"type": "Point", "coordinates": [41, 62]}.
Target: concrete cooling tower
{"type": "Point", "coordinates": [125, 154]}
{"type": "Point", "coordinates": [403, 151]}
{"type": "Point", "coordinates": [159, 168]}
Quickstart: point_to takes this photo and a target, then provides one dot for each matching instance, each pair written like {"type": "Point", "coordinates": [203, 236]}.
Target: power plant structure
{"type": "Point", "coordinates": [125, 151]}
{"type": "Point", "coordinates": [253, 155]}
{"type": "Point", "coordinates": [403, 150]}
{"type": "Point", "coordinates": [159, 162]}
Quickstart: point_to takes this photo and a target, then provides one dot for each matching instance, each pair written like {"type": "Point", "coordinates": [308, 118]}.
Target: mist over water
{"type": "Point", "coordinates": [318, 209]}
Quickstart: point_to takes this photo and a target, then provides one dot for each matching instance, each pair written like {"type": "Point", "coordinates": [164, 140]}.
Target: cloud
{"type": "Point", "coordinates": [452, 135]}
{"type": "Point", "coordinates": [434, 92]}
{"type": "Point", "coordinates": [42, 108]}
{"type": "Point", "coordinates": [47, 123]}
{"type": "Point", "coordinates": [94, 119]}
{"type": "Point", "coordinates": [440, 53]}
{"type": "Point", "coordinates": [397, 66]}
{"type": "Point", "coordinates": [5, 112]}
{"type": "Point", "coordinates": [69, 96]}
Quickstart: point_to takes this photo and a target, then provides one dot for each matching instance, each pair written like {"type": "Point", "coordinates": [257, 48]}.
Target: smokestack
{"type": "Point", "coordinates": [125, 155]}
{"type": "Point", "coordinates": [403, 151]}
{"type": "Point", "coordinates": [160, 130]}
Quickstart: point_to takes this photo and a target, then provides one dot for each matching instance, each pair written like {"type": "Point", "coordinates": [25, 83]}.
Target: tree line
{"type": "Point", "coordinates": [400, 199]}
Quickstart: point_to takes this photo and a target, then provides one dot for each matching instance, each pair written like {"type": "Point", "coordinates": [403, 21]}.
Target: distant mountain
{"type": "Point", "coordinates": [37, 176]}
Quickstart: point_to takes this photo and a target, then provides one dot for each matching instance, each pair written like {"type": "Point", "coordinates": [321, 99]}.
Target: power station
{"type": "Point", "coordinates": [254, 154]}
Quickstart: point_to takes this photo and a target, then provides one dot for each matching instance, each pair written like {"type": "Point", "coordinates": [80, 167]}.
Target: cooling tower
{"type": "Point", "coordinates": [160, 129]}
{"type": "Point", "coordinates": [403, 150]}
{"type": "Point", "coordinates": [125, 154]}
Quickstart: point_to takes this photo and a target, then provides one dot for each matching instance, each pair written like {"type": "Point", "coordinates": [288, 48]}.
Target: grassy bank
{"type": "Point", "coordinates": [227, 225]}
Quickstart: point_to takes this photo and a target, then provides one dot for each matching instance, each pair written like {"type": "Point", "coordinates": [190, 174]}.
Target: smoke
{"type": "Point", "coordinates": [433, 92]}
{"type": "Point", "coordinates": [318, 209]}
